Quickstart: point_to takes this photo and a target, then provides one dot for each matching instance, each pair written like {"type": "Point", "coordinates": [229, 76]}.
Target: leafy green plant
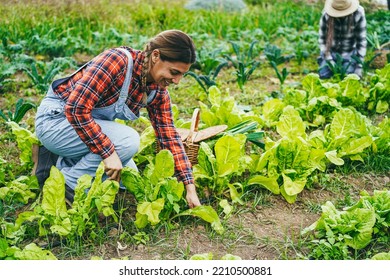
{"type": "Point", "coordinates": [209, 63]}
{"type": "Point", "coordinates": [376, 41]}
{"type": "Point", "coordinates": [52, 215]}
{"type": "Point", "coordinates": [42, 73]}
{"type": "Point", "coordinates": [347, 136]}
{"type": "Point", "coordinates": [6, 172]}
{"type": "Point", "coordinates": [9, 53]}
{"type": "Point", "coordinates": [30, 252]}
{"type": "Point", "coordinates": [6, 71]}
{"type": "Point", "coordinates": [223, 110]}
{"type": "Point", "coordinates": [21, 108]}
{"type": "Point", "coordinates": [160, 195]}
{"type": "Point", "coordinates": [60, 43]}
{"type": "Point", "coordinates": [272, 109]}
{"type": "Point", "coordinates": [217, 165]}
{"type": "Point", "coordinates": [25, 140]}
{"type": "Point", "coordinates": [381, 256]}
{"type": "Point", "coordinates": [243, 62]}
{"type": "Point", "coordinates": [329, 248]}
{"type": "Point", "coordinates": [275, 58]}
{"type": "Point", "coordinates": [380, 202]}
{"type": "Point", "coordinates": [379, 92]}
{"type": "Point", "coordinates": [206, 81]}
{"type": "Point", "coordinates": [21, 189]}
{"type": "Point", "coordinates": [226, 5]}
{"type": "Point", "coordinates": [365, 63]}
{"type": "Point", "coordinates": [208, 60]}
{"type": "Point", "coordinates": [339, 67]}
{"type": "Point", "coordinates": [381, 133]}
{"type": "Point", "coordinates": [285, 165]}
{"type": "Point", "coordinates": [336, 232]}
{"type": "Point", "coordinates": [301, 52]}
{"type": "Point", "coordinates": [318, 101]}
{"type": "Point", "coordinates": [141, 237]}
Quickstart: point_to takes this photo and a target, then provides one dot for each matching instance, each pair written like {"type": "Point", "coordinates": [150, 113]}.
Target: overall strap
{"type": "Point", "coordinates": [125, 87]}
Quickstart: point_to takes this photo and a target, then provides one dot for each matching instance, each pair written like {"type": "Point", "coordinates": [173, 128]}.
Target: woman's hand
{"type": "Point", "coordinates": [113, 166]}
{"type": "Point", "coordinates": [192, 197]}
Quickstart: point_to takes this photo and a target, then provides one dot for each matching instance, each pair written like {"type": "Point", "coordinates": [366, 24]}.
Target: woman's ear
{"type": "Point", "coordinates": [155, 55]}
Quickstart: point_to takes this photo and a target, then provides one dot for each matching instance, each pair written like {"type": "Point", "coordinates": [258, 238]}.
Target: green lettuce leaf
{"type": "Point", "coordinates": [206, 213]}
{"type": "Point", "coordinates": [270, 184]}
{"type": "Point", "coordinates": [290, 124]}
{"type": "Point", "coordinates": [25, 140]}
{"type": "Point", "coordinates": [151, 210]}
{"type": "Point", "coordinates": [228, 151]}
{"type": "Point", "coordinates": [34, 252]}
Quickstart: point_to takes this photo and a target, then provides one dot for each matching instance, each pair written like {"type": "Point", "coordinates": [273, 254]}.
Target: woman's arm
{"type": "Point", "coordinates": [160, 114]}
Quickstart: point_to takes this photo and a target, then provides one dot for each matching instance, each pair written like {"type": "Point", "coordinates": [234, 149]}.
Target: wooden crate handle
{"type": "Point", "coordinates": [194, 125]}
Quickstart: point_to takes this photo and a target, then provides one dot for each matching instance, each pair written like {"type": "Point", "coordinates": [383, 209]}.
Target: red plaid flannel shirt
{"type": "Point", "coordinates": [98, 85]}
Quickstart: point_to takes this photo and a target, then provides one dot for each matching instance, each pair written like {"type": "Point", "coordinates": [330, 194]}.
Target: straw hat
{"type": "Point", "coordinates": [341, 8]}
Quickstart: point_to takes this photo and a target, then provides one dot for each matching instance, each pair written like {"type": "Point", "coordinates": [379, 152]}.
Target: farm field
{"type": "Point", "coordinates": [301, 173]}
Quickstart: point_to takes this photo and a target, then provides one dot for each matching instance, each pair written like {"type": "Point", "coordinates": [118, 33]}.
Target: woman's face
{"type": "Point", "coordinates": [165, 73]}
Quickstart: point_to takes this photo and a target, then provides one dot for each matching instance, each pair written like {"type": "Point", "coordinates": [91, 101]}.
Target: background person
{"type": "Point", "coordinates": [342, 31]}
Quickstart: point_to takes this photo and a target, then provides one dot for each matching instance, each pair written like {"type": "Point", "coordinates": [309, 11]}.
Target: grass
{"type": "Point", "coordinates": [313, 207]}
{"type": "Point", "coordinates": [82, 20]}
{"type": "Point", "coordinates": [378, 164]}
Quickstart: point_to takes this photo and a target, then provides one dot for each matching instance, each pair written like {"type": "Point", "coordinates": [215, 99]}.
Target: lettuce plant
{"type": "Point", "coordinates": [354, 227]}
{"type": "Point", "coordinates": [347, 136]}
{"type": "Point", "coordinates": [382, 256]}
{"type": "Point", "coordinates": [218, 165]}
{"type": "Point", "coordinates": [223, 110]}
{"type": "Point", "coordinates": [30, 252]}
{"type": "Point", "coordinates": [286, 164]}
{"type": "Point", "coordinates": [380, 202]}
{"type": "Point", "coordinates": [6, 174]}
{"type": "Point", "coordinates": [21, 189]}
{"type": "Point", "coordinates": [160, 196]}
{"type": "Point", "coordinates": [25, 140]}
{"type": "Point", "coordinates": [52, 214]}
{"type": "Point", "coordinates": [381, 134]}
{"type": "Point", "coordinates": [379, 92]}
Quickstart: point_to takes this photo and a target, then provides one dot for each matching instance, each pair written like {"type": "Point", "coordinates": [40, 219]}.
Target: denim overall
{"type": "Point", "coordinates": [57, 135]}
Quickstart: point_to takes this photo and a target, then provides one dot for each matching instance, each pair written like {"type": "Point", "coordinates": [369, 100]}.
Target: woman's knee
{"type": "Point", "coordinates": [126, 140]}
{"type": "Point", "coordinates": [127, 145]}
